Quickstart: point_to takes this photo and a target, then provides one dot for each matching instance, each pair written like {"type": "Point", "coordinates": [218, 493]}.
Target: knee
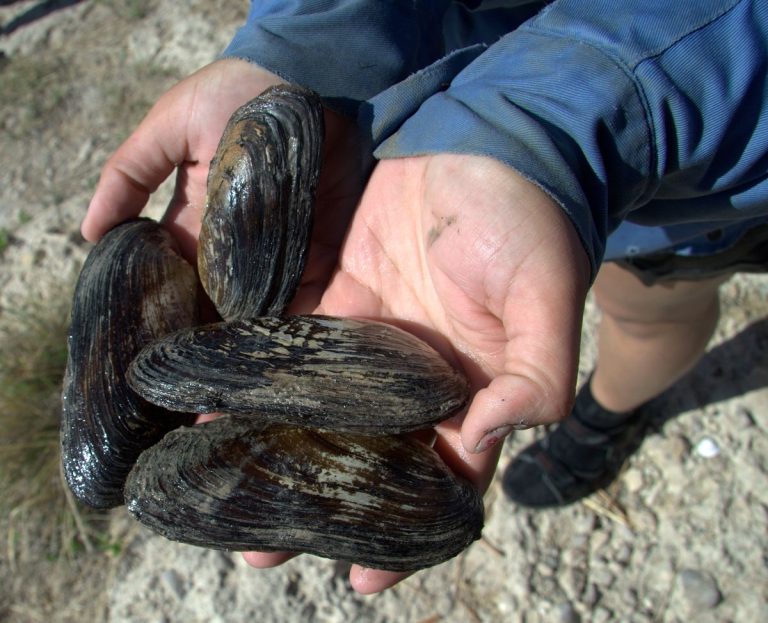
{"type": "Point", "coordinates": [652, 319]}
{"type": "Point", "coordinates": [646, 310]}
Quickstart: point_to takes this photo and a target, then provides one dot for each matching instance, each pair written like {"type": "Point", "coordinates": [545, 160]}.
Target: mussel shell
{"type": "Point", "coordinates": [258, 216]}
{"type": "Point", "coordinates": [382, 502]}
{"type": "Point", "coordinates": [134, 287]}
{"type": "Point", "coordinates": [316, 371]}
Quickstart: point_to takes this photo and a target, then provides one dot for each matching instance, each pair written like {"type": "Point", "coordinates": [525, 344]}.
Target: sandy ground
{"type": "Point", "coordinates": [681, 536]}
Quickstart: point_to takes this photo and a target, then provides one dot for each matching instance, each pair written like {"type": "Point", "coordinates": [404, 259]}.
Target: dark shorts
{"type": "Point", "coordinates": [749, 254]}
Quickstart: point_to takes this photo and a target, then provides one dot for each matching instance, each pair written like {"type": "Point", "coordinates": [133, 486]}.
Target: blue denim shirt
{"type": "Point", "coordinates": [646, 120]}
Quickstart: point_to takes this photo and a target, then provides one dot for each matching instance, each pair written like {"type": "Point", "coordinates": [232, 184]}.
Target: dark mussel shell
{"type": "Point", "coordinates": [382, 502]}
{"type": "Point", "coordinates": [134, 288]}
{"type": "Point", "coordinates": [258, 216]}
{"type": "Point", "coordinates": [314, 371]}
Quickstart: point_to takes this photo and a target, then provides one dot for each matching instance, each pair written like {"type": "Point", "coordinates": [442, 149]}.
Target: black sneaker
{"type": "Point", "coordinates": [583, 454]}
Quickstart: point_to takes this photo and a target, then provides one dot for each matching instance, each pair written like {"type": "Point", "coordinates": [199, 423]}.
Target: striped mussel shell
{"type": "Point", "coordinates": [133, 289]}
{"type": "Point", "coordinates": [259, 209]}
{"type": "Point", "coordinates": [315, 371]}
{"type": "Point", "coordinates": [382, 502]}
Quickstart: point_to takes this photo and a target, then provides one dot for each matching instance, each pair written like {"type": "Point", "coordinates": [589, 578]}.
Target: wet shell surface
{"type": "Point", "coordinates": [258, 216]}
{"type": "Point", "coordinates": [382, 502]}
{"type": "Point", "coordinates": [315, 371]}
{"type": "Point", "coordinates": [134, 288]}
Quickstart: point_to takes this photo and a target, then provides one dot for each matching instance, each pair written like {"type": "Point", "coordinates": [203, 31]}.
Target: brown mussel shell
{"type": "Point", "coordinates": [382, 502]}
{"type": "Point", "coordinates": [314, 371]}
{"type": "Point", "coordinates": [134, 288]}
{"type": "Point", "coordinates": [258, 216]}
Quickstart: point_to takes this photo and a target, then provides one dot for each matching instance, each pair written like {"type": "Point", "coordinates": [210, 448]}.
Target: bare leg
{"type": "Point", "coordinates": [649, 337]}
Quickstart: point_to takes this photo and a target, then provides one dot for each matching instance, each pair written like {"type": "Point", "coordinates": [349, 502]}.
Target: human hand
{"type": "Point", "coordinates": [480, 262]}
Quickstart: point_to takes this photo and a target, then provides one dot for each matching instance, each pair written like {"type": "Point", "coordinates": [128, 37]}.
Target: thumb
{"type": "Point", "coordinates": [535, 383]}
{"type": "Point", "coordinates": [137, 168]}
{"type": "Point", "coordinates": [511, 402]}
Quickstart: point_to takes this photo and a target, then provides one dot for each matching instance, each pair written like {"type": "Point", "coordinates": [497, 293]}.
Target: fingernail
{"type": "Point", "coordinates": [493, 437]}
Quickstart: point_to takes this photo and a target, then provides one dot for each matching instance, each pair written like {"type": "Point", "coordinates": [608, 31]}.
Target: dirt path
{"type": "Point", "coordinates": [681, 536]}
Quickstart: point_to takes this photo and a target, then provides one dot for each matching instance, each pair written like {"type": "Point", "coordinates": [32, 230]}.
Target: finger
{"type": "Point", "coordinates": [266, 560]}
{"type": "Point", "coordinates": [537, 381]}
{"type": "Point", "coordinates": [541, 314]}
{"type": "Point", "coordinates": [478, 469]}
{"type": "Point", "coordinates": [536, 384]}
{"type": "Point", "coordinates": [510, 402]}
{"type": "Point", "coordinates": [137, 168]}
{"type": "Point", "coordinates": [184, 214]}
{"type": "Point", "coordinates": [368, 581]}
{"type": "Point", "coordinates": [203, 418]}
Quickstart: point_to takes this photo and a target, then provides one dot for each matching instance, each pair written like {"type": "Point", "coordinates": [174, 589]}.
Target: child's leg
{"type": "Point", "coordinates": [648, 337]}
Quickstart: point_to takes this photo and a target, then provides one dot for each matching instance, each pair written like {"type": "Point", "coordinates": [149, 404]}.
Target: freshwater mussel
{"type": "Point", "coordinates": [317, 371]}
{"type": "Point", "coordinates": [134, 288]}
{"type": "Point", "coordinates": [259, 207]}
{"type": "Point", "coordinates": [383, 502]}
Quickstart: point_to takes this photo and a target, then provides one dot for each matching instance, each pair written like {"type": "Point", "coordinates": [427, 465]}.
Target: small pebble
{"type": "Point", "coordinates": [677, 449]}
{"type": "Point", "coordinates": [545, 570]}
{"type": "Point", "coordinates": [174, 582]}
{"type": "Point", "coordinates": [633, 480]}
{"type": "Point", "coordinates": [566, 613]}
{"type": "Point", "coordinates": [602, 576]}
{"type": "Point", "coordinates": [707, 448]}
{"type": "Point", "coordinates": [579, 541]}
{"type": "Point", "coordinates": [598, 541]}
{"type": "Point", "coordinates": [699, 589]}
{"type": "Point", "coordinates": [644, 520]}
{"type": "Point", "coordinates": [584, 524]}
{"type": "Point", "coordinates": [623, 554]}
{"type": "Point", "coordinates": [590, 596]}
{"type": "Point", "coordinates": [574, 581]}
{"type": "Point", "coordinates": [602, 615]}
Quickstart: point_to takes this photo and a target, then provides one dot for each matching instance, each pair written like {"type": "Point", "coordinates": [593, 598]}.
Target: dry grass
{"type": "Point", "coordinates": [37, 512]}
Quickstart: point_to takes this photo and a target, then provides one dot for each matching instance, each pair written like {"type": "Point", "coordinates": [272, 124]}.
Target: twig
{"type": "Point", "coordinates": [603, 504]}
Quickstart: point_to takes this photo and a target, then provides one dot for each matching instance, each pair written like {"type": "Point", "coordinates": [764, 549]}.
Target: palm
{"type": "Point", "coordinates": [414, 254]}
{"type": "Point", "coordinates": [452, 246]}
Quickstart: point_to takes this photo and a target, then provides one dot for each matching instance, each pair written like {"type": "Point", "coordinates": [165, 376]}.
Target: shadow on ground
{"type": "Point", "coordinates": [716, 378]}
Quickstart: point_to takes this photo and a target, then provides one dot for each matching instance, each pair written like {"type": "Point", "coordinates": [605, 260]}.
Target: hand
{"type": "Point", "coordinates": [464, 248]}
